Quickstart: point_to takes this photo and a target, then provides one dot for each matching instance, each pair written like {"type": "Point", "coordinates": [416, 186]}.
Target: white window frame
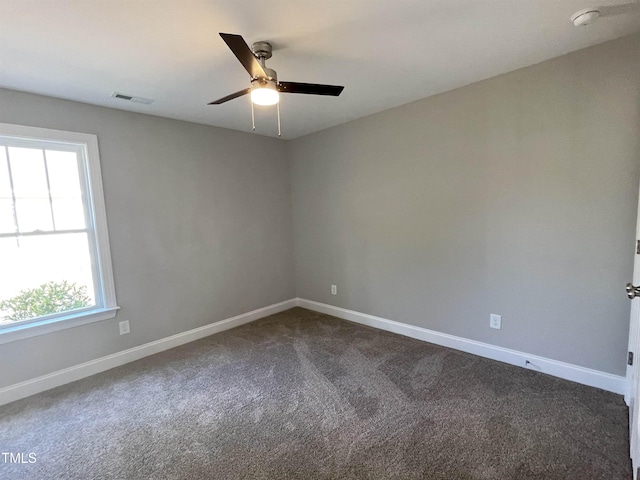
{"type": "Point", "coordinates": [106, 305]}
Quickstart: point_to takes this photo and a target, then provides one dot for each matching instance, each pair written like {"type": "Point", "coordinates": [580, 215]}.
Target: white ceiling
{"type": "Point", "coordinates": [385, 52]}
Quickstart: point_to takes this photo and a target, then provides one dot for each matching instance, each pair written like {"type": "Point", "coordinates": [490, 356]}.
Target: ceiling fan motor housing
{"type": "Point", "coordinates": [271, 74]}
{"type": "Point", "coordinates": [263, 83]}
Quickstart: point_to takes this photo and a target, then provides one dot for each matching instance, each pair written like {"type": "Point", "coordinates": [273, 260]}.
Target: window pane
{"type": "Point", "coordinates": [27, 170]}
{"type": "Point", "coordinates": [64, 179]}
{"type": "Point", "coordinates": [66, 193]}
{"type": "Point", "coordinates": [7, 224]}
{"type": "Point", "coordinates": [68, 213]}
{"type": "Point", "coordinates": [34, 214]}
{"type": "Point", "coordinates": [61, 263]}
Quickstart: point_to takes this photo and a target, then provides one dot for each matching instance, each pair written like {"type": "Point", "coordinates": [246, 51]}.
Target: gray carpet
{"type": "Point", "coordinates": [305, 395]}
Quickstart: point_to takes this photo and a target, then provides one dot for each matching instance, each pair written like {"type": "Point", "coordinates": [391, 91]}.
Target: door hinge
{"type": "Point", "coordinates": [630, 358]}
{"type": "Point", "coordinates": [638, 247]}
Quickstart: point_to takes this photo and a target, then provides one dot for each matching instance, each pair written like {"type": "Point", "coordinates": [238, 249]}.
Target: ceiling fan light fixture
{"type": "Point", "coordinates": [263, 92]}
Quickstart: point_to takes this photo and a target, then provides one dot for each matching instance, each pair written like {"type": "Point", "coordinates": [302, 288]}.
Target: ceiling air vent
{"type": "Point", "coordinates": [130, 98]}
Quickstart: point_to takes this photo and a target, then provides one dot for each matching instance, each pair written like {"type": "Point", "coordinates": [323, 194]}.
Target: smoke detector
{"type": "Point", "coordinates": [585, 17]}
{"type": "Point", "coordinates": [590, 15]}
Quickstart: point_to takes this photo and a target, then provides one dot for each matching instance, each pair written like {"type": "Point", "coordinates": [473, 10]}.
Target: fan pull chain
{"type": "Point", "coordinates": [253, 119]}
{"type": "Point", "coordinates": [278, 107]}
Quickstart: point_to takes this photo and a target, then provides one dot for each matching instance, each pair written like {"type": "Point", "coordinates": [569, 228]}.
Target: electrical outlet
{"type": "Point", "coordinates": [495, 321]}
{"type": "Point", "coordinates": [334, 289]}
{"type": "Point", "coordinates": [124, 327]}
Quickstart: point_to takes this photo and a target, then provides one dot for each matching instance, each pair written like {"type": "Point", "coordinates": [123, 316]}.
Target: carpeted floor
{"type": "Point", "coordinates": [305, 395]}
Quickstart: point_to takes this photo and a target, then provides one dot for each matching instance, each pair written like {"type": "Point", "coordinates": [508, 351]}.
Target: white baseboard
{"type": "Point", "coordinates": [586, 376]}
{"type": "Point", "coordinates": [575, 373]}
{"type": "Point", "coordinates": [71, 374]}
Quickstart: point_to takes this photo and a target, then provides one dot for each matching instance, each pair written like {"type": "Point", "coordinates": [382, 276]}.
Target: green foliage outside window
{"type": "Point", "coordinates": [48, 298]}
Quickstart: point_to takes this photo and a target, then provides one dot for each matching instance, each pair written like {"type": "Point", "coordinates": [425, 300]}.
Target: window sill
{"type": "Point", "coordinates": [20, 332]}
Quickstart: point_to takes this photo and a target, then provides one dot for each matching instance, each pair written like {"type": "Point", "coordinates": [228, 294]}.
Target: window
{"type": "Point", "coordinates": [55, 264]}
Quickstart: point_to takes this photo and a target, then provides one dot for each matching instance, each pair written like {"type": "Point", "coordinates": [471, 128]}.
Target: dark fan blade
{"type": "Point", "coordinates": [310, 88]}
{"type": "Point", "coordinates": [230, 97]}
{"type": "Point", "coordinates": [241, 50]}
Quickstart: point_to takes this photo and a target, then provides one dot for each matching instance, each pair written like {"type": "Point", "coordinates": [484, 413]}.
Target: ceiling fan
{"type": "Point", "coordinates": [587, 16]}
{"type": "Point", "coordinates": [265, 87]}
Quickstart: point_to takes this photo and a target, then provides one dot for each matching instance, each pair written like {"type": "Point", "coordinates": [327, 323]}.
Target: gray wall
{"type": "Point", "coordinates": [516, 196]}
{"type": "Point", "coordinates": [199, 224]}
